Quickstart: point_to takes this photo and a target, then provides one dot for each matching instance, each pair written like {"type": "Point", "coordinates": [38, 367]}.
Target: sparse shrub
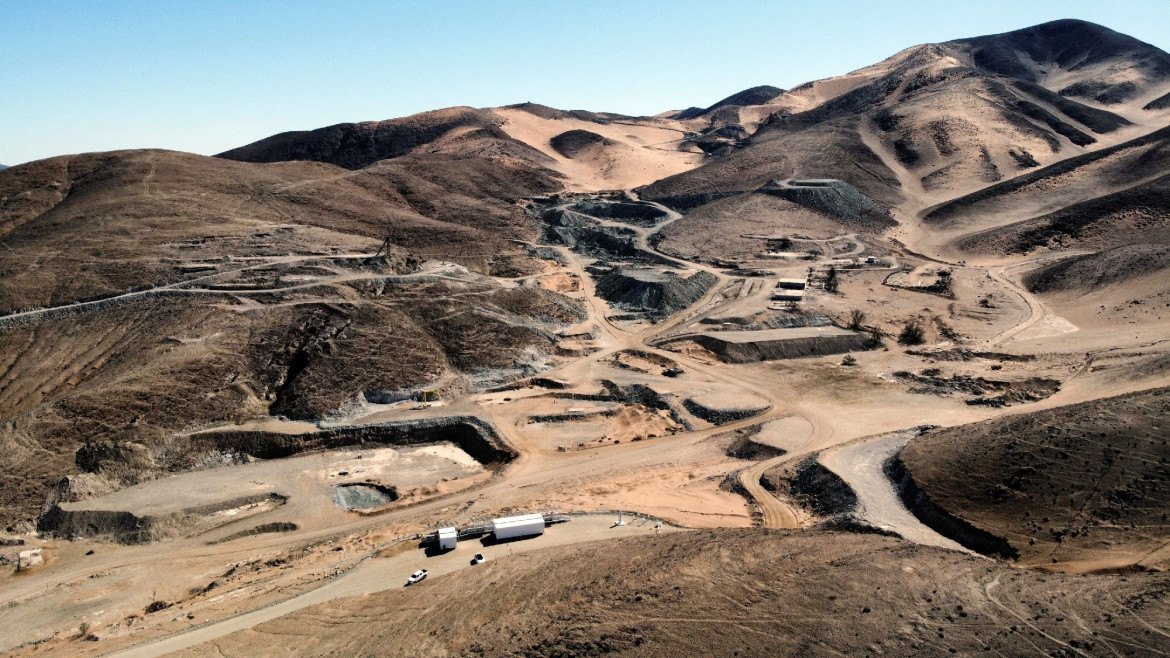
{"type": "Point", "coordinates": [856, 319]}
{"type": "Point", "coordinates": [849, 360]}
{"type": "Point", "coordinates": [831, 282]}
{"type": "Point", "coordinates": [912, 334]}
{"type": "Point", "coordinates": [155, 606]}
{"type": "Point", "coordinates": [875, 337]}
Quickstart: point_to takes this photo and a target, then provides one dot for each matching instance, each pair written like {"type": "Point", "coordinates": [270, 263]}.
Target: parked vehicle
{"type": "Point", "coordinates": [417, 576]}
{"type": "Point", "coordinates": [478, 559]}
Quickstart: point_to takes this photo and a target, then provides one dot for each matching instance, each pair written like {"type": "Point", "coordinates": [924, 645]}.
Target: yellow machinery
{"type": "Point", "coordinates": [429, 398]}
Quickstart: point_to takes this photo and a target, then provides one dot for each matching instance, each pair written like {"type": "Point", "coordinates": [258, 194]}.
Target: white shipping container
{"type": "Point", "coordinates": [518, 526]}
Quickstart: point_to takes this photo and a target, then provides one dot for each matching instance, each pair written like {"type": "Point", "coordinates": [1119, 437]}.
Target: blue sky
{"type": "Point", "coordinates": [209, 75]}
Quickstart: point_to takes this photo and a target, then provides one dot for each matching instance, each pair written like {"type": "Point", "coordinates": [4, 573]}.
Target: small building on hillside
{"type": "Point", "coordinates": [448, 537]}
{"type": "Point", "coordinates": [526, 525]}
{"type": "Point", "coordinates": [791, 284]}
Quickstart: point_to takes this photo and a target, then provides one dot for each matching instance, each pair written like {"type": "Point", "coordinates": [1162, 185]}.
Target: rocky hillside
{"type": "Point", "coordinates": [1083, 485]}
{"type": "Point", "coordinates": [222, 290]}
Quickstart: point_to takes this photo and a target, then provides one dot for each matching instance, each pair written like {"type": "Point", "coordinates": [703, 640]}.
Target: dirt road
{"type": "Point", "coordinates": [860, 464]}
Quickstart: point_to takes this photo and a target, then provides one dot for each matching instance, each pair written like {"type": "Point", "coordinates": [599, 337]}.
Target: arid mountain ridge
{"type": "Point", "coordinates": [445, 184]}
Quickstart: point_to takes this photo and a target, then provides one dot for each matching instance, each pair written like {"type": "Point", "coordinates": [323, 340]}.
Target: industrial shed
{"type": "Point", "coordinates": [788, 295]}
{"type": "Point", "coordinates": [518, 526]}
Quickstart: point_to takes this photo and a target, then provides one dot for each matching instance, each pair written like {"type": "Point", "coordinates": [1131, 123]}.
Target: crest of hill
{"type": "Point", "coordinates": [457, 130]}
{"type": "Point", "coordinates": [753, 96]}
{"type": "Point", "coordinates": [1084, 484]}
{"type": "Point", "coordinates": [546, 112]}
{"type": "Point", "coordinates": [1160, 103]}
{"type": "Point", "coordinates": [632, 151]}
{"type": "Point", "coordinates": [1070, 45]}
{"type": "Point", "coordinates": [1100, 270]}
{"type": "Point", "coordinates": [947, 118]}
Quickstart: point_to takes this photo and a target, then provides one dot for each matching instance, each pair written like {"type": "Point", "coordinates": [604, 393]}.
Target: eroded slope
{"type": "Point", "coordinates": [1085, 485]}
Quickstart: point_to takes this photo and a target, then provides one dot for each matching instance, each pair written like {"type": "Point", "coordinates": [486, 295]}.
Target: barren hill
{"type": "Point", "coordinates": [937, 120]}
{"type": "Point", "coordinates": [132, 219]}
{"type": "Point", "coordinates": [631, 151]}
{"type": "Point", "coordinates": [1117, 218]}
{"type": "Point", "coordinates": [1085, 54]}
{"type": "Point", "coordinates": [459, 130]}
{"type": "Point", "coordinates": [1085, 484]}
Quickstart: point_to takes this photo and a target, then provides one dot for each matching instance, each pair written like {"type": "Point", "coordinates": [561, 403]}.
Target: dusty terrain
{"type": "Point", "coordinates": [733, 593]}
{"type": "Point", "coordinates": [238, 392]}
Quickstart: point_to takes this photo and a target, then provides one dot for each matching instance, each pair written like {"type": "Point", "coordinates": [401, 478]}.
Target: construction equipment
{"type": "Point", "coordinates": [428, 398]}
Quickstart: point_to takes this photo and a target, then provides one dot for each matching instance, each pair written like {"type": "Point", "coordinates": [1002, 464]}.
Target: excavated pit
{"type": "Point", "coordinates": [472, 435]}
{"type": "Point", "coordinates": [364, 495]}
{"type": "Point", "coordinates": [588, 237]}
{"type": "Point", "coordinates": [131, 518]}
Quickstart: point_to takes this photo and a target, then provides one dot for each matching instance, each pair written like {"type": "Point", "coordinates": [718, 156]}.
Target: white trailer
{"type": "Point", "coordinates": [526, 525]}
{"type": "Point", "coordinates": [447, 538]}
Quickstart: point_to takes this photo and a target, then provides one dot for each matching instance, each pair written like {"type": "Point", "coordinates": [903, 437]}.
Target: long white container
{"type": "Point", "coordinates": [518, 526]}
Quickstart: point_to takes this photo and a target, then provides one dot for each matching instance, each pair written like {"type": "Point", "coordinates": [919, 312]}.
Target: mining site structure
{"type": "Point", "coordinates": [384, 247]}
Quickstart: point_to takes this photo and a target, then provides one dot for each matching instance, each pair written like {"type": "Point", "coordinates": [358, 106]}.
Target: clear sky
{"type": "Point", "coordinates": [208, 75]}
